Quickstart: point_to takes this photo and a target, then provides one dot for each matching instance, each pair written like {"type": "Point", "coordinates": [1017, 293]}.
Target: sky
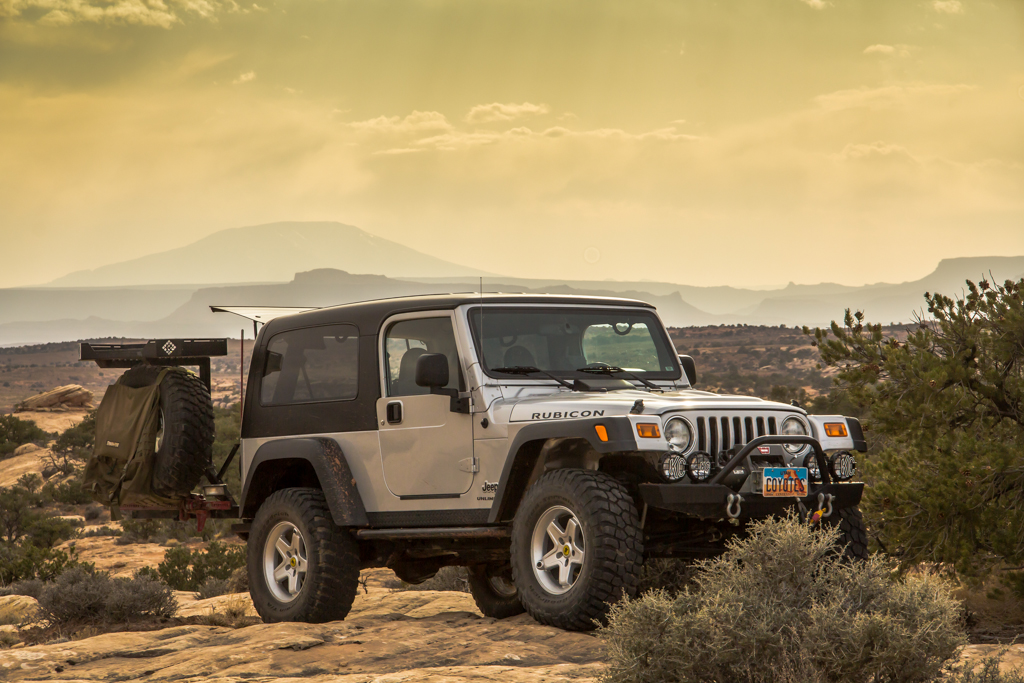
{"type": "Point", "coordinates": [742, 142]}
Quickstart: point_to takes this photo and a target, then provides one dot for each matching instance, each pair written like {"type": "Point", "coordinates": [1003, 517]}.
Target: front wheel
{"type": "Point", "coordinates": [576, 548]}
{"type": "Point", "coordinates": [301, 566]}
{"type": "Point", "coordinates": [853, 533]}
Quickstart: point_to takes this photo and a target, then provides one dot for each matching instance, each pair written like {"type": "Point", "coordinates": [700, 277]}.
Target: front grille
{"type": "Point", "coordinates": [716, 432]}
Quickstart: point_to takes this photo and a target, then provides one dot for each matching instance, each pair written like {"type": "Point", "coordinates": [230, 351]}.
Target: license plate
{"type": "Point", "coordinates": [784, 482]}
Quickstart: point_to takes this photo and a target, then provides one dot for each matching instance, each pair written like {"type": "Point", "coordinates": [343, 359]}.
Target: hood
{"type": "Point", "coordinates": [572, 405]}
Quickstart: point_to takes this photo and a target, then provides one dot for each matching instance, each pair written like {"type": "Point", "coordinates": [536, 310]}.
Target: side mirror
{"type": "Point", "coordinates": [432, 370]}
{"type": "Point", "coordinates": [690, 368]}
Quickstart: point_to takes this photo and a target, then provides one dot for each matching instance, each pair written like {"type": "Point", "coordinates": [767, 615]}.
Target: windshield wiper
{"type": "Point", "coordinates": [605, 369]}
{"type": "Point", "coordinates": [530, 370]}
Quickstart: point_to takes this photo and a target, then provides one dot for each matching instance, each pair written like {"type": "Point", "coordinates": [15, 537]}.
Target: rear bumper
{"type": "Point", "coordinates": [709, 501]}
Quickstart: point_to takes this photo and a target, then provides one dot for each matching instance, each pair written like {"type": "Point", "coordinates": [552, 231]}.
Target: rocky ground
{"type": "Point", "coordinates": [390, 636]}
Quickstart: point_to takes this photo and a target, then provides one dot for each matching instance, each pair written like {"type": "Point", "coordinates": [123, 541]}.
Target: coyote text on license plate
{"type": "Point", "coordinates": [784, 481]}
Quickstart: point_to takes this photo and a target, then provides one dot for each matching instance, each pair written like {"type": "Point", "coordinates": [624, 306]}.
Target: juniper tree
{"type": "Point", "coordinates": [945, 406]}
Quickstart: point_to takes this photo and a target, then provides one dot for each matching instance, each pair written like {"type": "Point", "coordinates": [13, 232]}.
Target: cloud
{"type": "Point", "coordinates": [155, 13]}
{"type": "Point", "coordinates": [816, 4]}
{"type": "Point", "coordinates": [887, 96]}
{"type": "Point", "coordinates": [489, 113]}
{"type": "Point", "coordinates": [899, 50]}
{"type": "Point", "coordinates": [876, 151]}
{"type": "Point", "coordinates": [416, 122]}
{"type": "Point", "coordinates": [245, 78]}
{"type": "Point", "coordinates": [948, 6]}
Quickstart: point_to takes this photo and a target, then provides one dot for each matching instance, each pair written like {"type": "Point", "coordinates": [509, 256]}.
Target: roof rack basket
{"type": "Point", "coordinates": [162, 352]}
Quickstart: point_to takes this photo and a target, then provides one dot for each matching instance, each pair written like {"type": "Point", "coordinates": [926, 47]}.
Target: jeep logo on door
{"type": "Point", "coordinates": [489, 486]}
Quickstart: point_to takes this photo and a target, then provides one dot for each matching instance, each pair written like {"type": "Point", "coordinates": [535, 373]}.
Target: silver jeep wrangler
{"type": "Point", "coordinates": [547, 443]}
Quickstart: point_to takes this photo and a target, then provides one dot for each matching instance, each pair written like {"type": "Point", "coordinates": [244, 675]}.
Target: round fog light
{"type": "Point", "coordinates": [811, 463]}
{"type": "Point", "coordinates": [672, 466]}
{"type": "Point", "coordinates": [698, 466]}
{"type": "Point", "coordinates": [842, 465]}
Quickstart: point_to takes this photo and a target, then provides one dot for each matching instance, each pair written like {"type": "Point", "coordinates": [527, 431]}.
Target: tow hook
{"type": "Point", "coordinates": [825, 503]}
{"type": "Point", "coordinates": [732, 505]}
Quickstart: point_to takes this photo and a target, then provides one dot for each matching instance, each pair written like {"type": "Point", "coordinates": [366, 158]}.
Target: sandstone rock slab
{"type": "Point", "coordinates": [394, 637]}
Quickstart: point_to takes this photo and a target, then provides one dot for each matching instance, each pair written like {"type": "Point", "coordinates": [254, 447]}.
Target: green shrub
{"type": "Point", "coordinates": [24, 562]}
{"type": "Point", "coordinates": [239, 581]}
{"type": "Point", "coordinates": [81, 596]}
{"type": "Point", "coordinates": [15, 433]}
{"type": "Point", "coordinates": [46, 531]}
{"type": "Point", "coordinates": [31, 588]}
{"type": "Point", "coordinates": [30, 482]}
{"type": "Point", "coordinates": [781, 607]}
{"type": "Point", "coordinates": [185, 570]}
{"type": "Point", "coordinates": [212, 588]}
{"type": "Point", "coordinates": [102, 531]}
{"type": "Point", "coordinates": [74, 445]}
{"type": "Point", "coordinates": [70, 492]}
{"type": "Point", "coordinates": [160, 530]}
{"type": "Point", "coordinates": [139, 597]}
{"type": "Point", "coordinates": [227, 427]}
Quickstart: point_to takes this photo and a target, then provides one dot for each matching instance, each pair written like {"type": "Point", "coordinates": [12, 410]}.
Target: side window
{"type": "Point", "coordinates": [311, 365]}
{"type": "Point", "coordinates": [406, 341]}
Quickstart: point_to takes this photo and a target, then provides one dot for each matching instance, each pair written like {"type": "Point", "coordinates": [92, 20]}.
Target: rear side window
{"type": "Point", "coordinates": [311, 365]}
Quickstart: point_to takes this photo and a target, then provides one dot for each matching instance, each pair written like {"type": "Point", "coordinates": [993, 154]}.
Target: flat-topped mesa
{"type": "Point", "coordinates": [67, 397]}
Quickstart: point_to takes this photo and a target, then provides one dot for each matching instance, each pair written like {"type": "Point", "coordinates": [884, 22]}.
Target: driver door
{"type": "Point", "coordinates": [426, 449]}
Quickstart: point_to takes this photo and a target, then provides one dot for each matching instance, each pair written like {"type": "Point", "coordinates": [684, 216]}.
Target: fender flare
{"type": "Point", "coordinates": [522, 456]}
{"type": "Point", "coordinates": [331, 468]}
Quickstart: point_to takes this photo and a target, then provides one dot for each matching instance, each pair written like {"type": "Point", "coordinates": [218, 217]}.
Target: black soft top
{"type": "Point", "coordinates": [368, 316]}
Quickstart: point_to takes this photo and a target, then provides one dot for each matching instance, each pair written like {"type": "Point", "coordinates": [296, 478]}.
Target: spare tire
{"type": "Point", "coordinates": [184, 447]}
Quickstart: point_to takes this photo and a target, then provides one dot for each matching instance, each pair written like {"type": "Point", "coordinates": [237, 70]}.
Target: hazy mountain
{"type": "Point", "coordinates": [51, 314]}
{"type": "Point", "coordinates": [268, 253]}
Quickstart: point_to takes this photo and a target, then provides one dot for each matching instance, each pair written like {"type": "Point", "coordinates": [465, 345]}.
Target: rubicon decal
{"type": "Point", "coordinates": [567, 414]}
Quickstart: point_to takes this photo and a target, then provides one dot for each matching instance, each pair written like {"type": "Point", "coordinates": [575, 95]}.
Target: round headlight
{"type": "Point", "coordinates": [842, 465]}
{"type": "Point", "coordinates": [672, 466]}
{"type": "Point", "coordinates": [811, 463]}
{"type": "Point", "coordinates": [678, 434]}
{"type": "Point", "coordinates": [698, 466]}
{"type": "Point", "coordinates": [794, 426]}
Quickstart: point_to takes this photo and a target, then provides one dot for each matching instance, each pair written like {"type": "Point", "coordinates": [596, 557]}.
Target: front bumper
{"type": "Point", "coordinates": [710, 501]}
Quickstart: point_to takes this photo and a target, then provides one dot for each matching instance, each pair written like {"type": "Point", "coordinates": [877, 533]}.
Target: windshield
{"type": "Point", "coordinates": [563, 340]}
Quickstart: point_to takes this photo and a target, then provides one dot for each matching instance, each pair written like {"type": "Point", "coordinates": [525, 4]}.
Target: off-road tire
{"type": "Point", "coordinates": [332, 577]}
{"type": "Point", "coordinates": [186, 448]}
{"type": "Point", "coordinates": [853, 535]}
{"type": "Point", "coordinates": [612, 541]}
{"type": "Point", "coordinates": [489, 600]}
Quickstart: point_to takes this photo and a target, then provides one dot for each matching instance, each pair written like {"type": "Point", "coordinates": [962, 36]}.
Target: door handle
{"type": "Point", "coordinates": [393, 412]}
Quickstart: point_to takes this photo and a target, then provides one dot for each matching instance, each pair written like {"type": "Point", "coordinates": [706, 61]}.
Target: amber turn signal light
{"type": "Point", "coordinates": [835, 429]}
{"type": "Point", "coordinates": [648, 430]}
{"type": "Point", "coordinates": [602, 432]}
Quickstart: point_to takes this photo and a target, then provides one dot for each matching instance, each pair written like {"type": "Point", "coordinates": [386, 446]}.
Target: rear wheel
{"type": "Point", "coordinates": [301, 566]}
{"type": "Point", "coordinates": [494, 591]}
{"type": "Point", "coordinates": [576, 548]}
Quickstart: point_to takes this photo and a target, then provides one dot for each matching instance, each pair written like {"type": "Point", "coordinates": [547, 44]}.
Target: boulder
{"type": "Point", "coordinates": [59, 399]}
{"type": "Point", "coordinates": [24, 449]}
{"type": "Point", "coordinates": [16, 609]}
